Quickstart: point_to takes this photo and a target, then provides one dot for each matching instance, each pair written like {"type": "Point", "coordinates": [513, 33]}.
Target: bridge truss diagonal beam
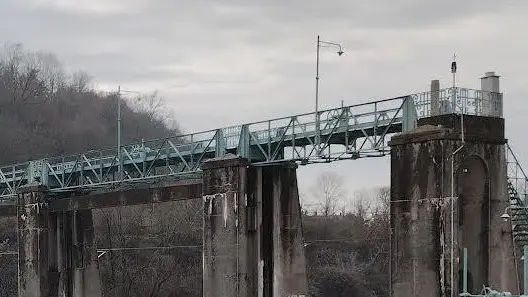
{"type": "Point", "coordinates": [349, 132]}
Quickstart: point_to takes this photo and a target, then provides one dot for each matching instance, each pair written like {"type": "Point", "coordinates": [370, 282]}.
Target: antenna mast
{"type": "Point", "coordinates": [462, 101]}
{"type": "Point", "coordinates": [453, 70]}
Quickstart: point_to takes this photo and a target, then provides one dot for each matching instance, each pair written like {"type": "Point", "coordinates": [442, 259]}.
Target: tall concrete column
{"type": "Point", "coordinates": [76, 255]}
{"type": "Point", "coordinates": [227, 268]}
{"type": "Point", "coordinates": [57, 251]}
{"type": "Point", "coordinates": [428, 222]}
{"type": "Point", "coordinates": [33, 232]}
{"type": "Point", "coordinates": [63, 251]}
{"type": "Point", "coordinates": [282, 248]}
{"type": "Point", "coordinates": [253, 243]}
{"type": "Point", "coordinates": [87, 278]}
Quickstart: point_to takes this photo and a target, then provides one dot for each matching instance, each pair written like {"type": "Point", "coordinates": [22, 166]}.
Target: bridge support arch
{"type": "Point", "coordinates": [253, 244]}
{"type": "Point", "coordinates": [428, 221]}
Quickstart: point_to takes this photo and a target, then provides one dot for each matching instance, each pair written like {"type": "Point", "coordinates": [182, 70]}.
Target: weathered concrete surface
{"type": "Point", "coordinates": [485, 129]}
{"type": "Point", "coordinates": [8, 210]}
{"type": "Point", "coordinates": [33, 232]}
{"type": "Point", "coordinates": [226, 265]}
{"type": "Point", "coordinates": [73, 255]}
{"type": "Point", "coordinates": [87, 282]}
{"type": "Point", "coordinates": [282, 250]}
{"type": "Point", "coordinates": [57, 251]}
{"type": "Point", "coordinates": [253, 243]}
{"type": "Point", "coordinates": [145, 193]}
{"type": "Point", "coordinates": [421, 209]}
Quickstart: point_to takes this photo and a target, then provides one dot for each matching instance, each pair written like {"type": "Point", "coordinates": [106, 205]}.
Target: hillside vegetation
{"type": "Point", "coordinates": [46, 111]}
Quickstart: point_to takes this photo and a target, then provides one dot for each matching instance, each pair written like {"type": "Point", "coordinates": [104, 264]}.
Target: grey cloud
{"type": "Point", "coordinates": [372, 14]}
{"type": "Point", "coordinates": [221, 63]}
{"type": "Point", "coordinates": [168, 32]}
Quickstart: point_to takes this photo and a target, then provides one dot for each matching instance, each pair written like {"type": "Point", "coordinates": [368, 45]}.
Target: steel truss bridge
{"type": "Point", "coordinates": [350, 132]}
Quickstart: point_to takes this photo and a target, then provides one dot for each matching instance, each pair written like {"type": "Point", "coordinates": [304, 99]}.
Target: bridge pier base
{"type": "Point", "coordinates": [253, 243]}
{"type": "Point", "coordinates": [227, 260]}
{"type": "Point", "coordinates": [430, 225]}
{"type": "Point", "coordinates": [281, 239]}
{"type": "Point", "coordinates": [33, 234]}
{"type": "Point", "coordinates": [75, 254]}
{"type": "Point", "coordinates": [57, 251]}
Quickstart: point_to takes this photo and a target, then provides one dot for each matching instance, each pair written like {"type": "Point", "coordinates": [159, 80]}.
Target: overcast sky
{"type": "Point", "coordinates": [220, 63]}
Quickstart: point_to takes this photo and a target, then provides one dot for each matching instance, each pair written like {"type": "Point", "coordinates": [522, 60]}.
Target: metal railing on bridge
{"type": "Point", "coordinates": [349, 132]}
{"type": "Point", "coordinates": [458, 100]}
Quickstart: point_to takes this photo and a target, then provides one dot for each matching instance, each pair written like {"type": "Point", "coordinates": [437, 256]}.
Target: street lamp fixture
{"type": "Point", "coordinates": [505, 216]}
{"type": "Point", "coordinates": [340, 52]}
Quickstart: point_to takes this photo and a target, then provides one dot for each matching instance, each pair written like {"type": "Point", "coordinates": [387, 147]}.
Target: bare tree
{"type": "Point", "coordinates": [362, 206]}
{"type": "Point", "coordinates": [8, 262]}
{"type": "Point", "coordinates": [379, 228]}
{"type": "Point", "coordinates": [81, 81]}
{"type": "Point", "coordinates": [151, 272]}
{"type": "Point", "coordinates": [329, 189]}
{"type": "Point", "coordinates": [20, 74]}
{"type": "Point", "coordinates": [152, 105]}
{"type": "Point", "coordinates": [11, 61]}
{"type": "Point", "coordinates": [383, 201]}
{"type": "Point", "coordinates": [303, 203]}
{"type": "Point", "coordinates": [51, 72]}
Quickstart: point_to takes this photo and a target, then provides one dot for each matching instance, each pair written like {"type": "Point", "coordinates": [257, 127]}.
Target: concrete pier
{"type": "Point", "coordinates": [282, 250]}
{"type": "Point", "coordinates": [33, 235]}
{"type": "Point", "coordinates": [226, 265]}
{"type": "Point", "coordinates": [423, 208]}
{"type": "Point", "coordinates": [75, 254]}
{"type": "Point", "coordinates": [253, 243]}
{"type": "Point", "coordinates": [57, 251]}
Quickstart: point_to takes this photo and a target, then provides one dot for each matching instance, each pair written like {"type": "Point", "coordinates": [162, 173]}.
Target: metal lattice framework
{"type": "Point", "coordinates": [458, 100]}
{"type": "Point", "coordinates": [516, 176]}
{"type": "Point", "coordinates": [350, 132]}
{"type": "Point", "coordinates": [517, 191]}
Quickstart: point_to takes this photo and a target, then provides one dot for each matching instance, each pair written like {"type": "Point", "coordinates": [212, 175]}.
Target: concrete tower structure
{"type": "Point", "coordinates": [448, 191]}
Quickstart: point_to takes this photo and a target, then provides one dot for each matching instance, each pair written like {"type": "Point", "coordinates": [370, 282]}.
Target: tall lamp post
{"type": "Point", "coordinates": [321, 43]}
{"type": "Point", "coordinates": [120, 165]}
